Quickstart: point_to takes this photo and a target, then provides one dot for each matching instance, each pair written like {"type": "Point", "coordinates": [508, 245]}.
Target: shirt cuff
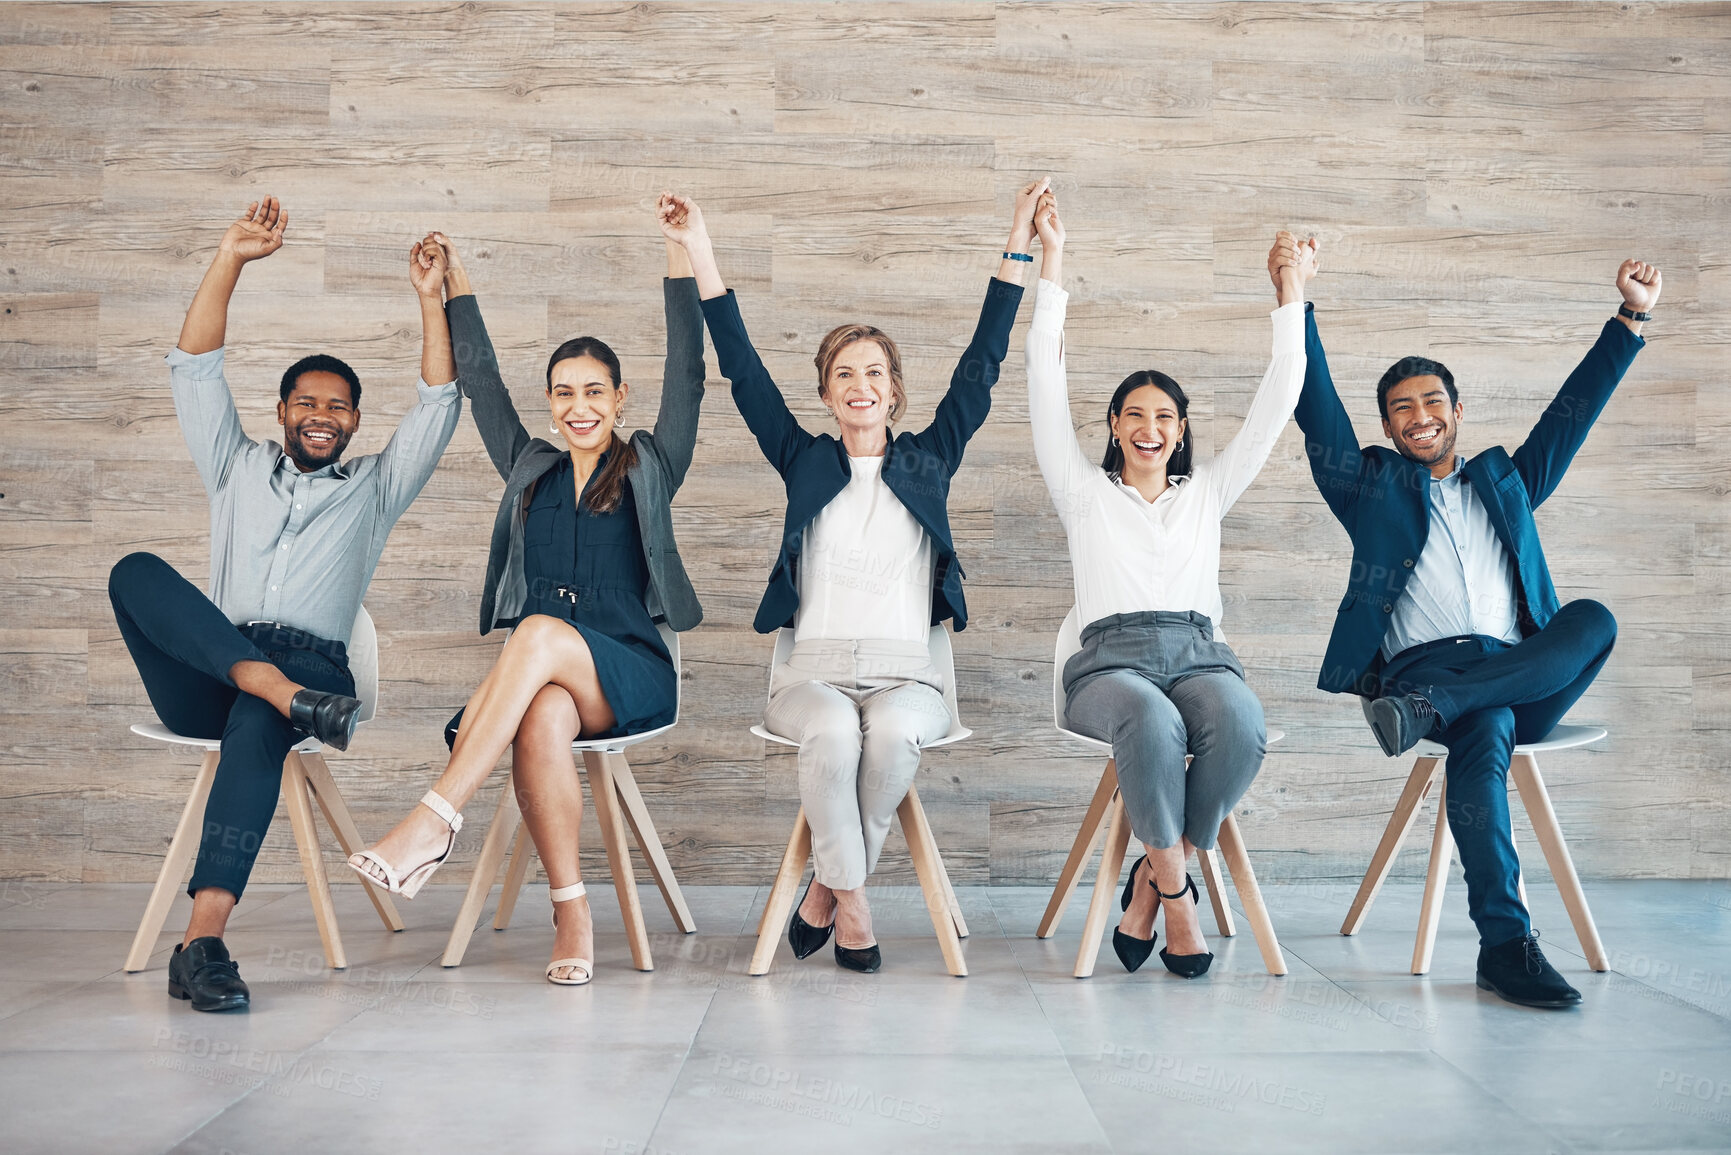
{"type": "Point", "coordinates": [195, 364]}
{"type": "Point", "coordinates": [436, 394]}
{"type": "Point", "coordinates": [1050, 301]}
{"type": "Point", "coordinates": [1288, 329]}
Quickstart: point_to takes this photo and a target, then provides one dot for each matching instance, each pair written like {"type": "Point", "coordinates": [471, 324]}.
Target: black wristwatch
{"type": "Point", "coordinates": [1623, 310]}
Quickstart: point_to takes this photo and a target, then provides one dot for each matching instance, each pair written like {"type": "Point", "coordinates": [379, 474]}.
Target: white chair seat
{"type": "Point", "coordinates": [157, 732]}
{"type": "Point", "coordinates": [1560, 738]}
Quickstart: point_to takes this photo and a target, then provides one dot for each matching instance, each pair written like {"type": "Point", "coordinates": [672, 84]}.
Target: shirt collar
{"type": "Point", "coordinates": [337, 469]}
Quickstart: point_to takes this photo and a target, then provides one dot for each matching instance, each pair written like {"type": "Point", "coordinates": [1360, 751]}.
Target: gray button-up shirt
{"type": "Point", "coordinates": [1464, 580]}
{"type": "Point", "coordinates": [292, 547]}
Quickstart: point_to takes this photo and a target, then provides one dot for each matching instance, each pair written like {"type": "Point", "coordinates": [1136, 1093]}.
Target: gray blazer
{"type": "Point", "coordinates": [663, 456]}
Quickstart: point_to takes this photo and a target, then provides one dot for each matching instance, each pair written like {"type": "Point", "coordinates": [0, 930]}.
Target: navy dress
{"type": "Point", "coordinates": [587, 568]}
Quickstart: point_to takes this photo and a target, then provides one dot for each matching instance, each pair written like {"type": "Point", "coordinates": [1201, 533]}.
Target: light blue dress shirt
{"type": "Point", "coordinates": [292, 547]}
{"type": "Point", "coordinates": [1464, 581]}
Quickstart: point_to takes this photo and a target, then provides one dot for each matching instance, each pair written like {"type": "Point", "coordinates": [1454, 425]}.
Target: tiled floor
{"type": "Point", "coordinates": [1347, 1053]}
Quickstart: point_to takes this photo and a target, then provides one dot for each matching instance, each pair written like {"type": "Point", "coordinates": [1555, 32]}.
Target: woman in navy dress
{"type": "Point", "coordinates": [583, 564]}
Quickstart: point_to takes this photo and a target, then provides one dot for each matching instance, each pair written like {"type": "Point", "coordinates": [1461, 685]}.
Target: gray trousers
{"type": "Point", "coordinates": [1157, 686]}
{"type": "Point", "coordinates": [860, 712]}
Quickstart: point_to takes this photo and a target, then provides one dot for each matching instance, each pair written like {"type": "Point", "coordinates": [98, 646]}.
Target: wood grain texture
{"type": "Point", "coordinates": [1475, 173]}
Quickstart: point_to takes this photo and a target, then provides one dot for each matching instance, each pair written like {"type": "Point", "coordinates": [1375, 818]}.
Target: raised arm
{"type": "Point", "coordinates": [201, 397]}
{"type": "Point", "coordinates": [760, 402]}
{"type": "Point", "coordinates": [1062, 463]}
{"type": "Point", "coordinates": [1290, 266]}
{"type": "Point", "coordinates": [968, 401]}
{"type": "Point", "coordinates": [420, 438]}
{"type": "Point", "coordinates": [1329, 440]}
{"type": "Point", "coordinates": [682, 373]}
{"type": "Point", "coordinates": [502, 431]}
{"type": "Point", "coordinates": [1545, 455]}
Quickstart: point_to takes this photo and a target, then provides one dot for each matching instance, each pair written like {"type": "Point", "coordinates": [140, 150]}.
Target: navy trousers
{"type": "Point", "coordinates": [184, 648]}
{"type": "Point", "coordinates": [1490, 696]}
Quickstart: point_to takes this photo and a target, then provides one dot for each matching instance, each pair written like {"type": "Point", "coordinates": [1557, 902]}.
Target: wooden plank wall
{"type": "Point", "coordinates": [1475, 171]}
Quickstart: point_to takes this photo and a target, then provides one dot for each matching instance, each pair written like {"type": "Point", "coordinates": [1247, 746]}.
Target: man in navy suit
{"type": "Point", "coordinates": [1450, 624]}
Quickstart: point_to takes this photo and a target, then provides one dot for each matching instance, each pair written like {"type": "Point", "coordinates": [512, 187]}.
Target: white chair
{"type": "Point", "coordinates": [940, 896]}
{"type": "Point", "coordinates": [305, 778]}
{"type": "Point", "coordinates": [1524, 769]}
{"type": "Point", "coordinates": [1106, 813]}
{"type": "Point", "coordinates": [617, 802]}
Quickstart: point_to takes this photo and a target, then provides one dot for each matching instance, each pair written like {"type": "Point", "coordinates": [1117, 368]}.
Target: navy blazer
{"type": "Point", "coordinates": [917, 466]}
{"type": "Point", "coordinates": [1383, 499]}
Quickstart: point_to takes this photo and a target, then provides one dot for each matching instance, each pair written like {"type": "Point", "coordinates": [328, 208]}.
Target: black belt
{"type": "Point", "coordinates": [275, 635]}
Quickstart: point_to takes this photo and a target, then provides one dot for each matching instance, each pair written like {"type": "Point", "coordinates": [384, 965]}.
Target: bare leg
{"type": "Point", "coordinates": [853, 920]}
{"type": "Point", "coordinates": [263, 680]}
{"type": "Point", "coordinates": [1166, 866]}
{"type": "Point", "coordinates": [846, 908]}
{"type": "Point", "coordinates": [211, 906]}
{"type": "Point", "coordinates": [542, 651]}
{"type": "Point", "coordinates": [551, 800]}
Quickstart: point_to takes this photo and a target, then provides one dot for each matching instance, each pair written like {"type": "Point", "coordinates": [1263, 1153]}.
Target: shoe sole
{"type": "Point", "coordinates": [1485, 984]}
{"type": "Point", "coordinates": [1385, 724]}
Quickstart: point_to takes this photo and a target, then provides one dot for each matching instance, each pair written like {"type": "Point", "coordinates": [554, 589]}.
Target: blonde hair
{"type": "Point", "coordinates": [840, 338]}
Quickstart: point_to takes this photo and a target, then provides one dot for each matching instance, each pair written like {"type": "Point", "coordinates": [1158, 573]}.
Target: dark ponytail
{"type": "Point", "coordinates": [606, 491]}
{"type": "Point", "coordinates": [1178, 465]}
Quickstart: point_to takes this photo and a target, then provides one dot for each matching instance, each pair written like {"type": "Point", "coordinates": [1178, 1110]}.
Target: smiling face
{"type": "Point", "coordinates": [860, 387]}
{"type": "Point", "coordinates": [318, 418]}
{"type": "Point", "coordinates": [1421, 420]}
{"type": "Point", "coordinates": [1148, 429]}
{"type": "Point", "coordinates": [585, 402]}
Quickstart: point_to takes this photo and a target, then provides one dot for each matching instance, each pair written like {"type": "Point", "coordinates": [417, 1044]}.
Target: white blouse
{"type": "Point", "coordinates": [1128, 554]}
{"type": "Point", "coordinates": [866, 570]}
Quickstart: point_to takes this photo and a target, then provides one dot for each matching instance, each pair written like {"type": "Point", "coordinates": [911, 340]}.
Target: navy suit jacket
{"type": "Point", "coordinates": [1383, 499]}
{"type": "Point", "coordinates": [917, 466]}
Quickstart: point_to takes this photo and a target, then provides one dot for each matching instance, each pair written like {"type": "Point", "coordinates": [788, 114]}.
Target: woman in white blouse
{"type": "Point", "coordinates": [1153, 676]}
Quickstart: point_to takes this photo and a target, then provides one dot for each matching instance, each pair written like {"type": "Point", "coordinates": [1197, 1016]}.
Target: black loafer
{"type": "Point", "coordinates": [1518, 972]}
{"type": "Point", "coordinates": [865, 960]}
{"type": "Point", "coordinates": [330, 718]}
{"type": "Point", "coordinates": [202, 972]}
{"type": "Point", "coordinates": [1400, 723]}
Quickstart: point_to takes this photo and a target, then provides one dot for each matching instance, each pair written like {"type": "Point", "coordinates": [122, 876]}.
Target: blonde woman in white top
{"type": "Point", "coordinates": [1153, 676]}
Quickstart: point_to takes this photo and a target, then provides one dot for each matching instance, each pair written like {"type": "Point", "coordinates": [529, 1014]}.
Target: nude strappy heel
{"type": "Point", "coordinates": [410, 884]}
{"type": "Point", "coordinates": [565, 894]}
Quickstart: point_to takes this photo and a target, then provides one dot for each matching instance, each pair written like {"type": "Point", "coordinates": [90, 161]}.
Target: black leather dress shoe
{"type": "Point", "coordinates": [866, 960]}
{"type": "Point", "coordinates": [806, 939]}
{"type": "Point", "coordinates": [1400, 723]}
{"type": "Point", "coordinates": [330, 718]}
{"type": "Point", "coordinates": [202, 972]}
{"type": "Point", "coordinates": [1518, 972]}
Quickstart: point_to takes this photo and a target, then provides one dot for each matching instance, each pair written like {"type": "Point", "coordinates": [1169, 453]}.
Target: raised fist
{"type": "Point", "coordinates": [428, 264]}
{"type": "Point", "coordinates": [1639, 283]}
{"type": "Point", "coordinates": [1027, 200]}
{"type": "Point", "coordinates": [1292, 258]}
{"type": "Point", "coordinates": [1046, 222]}
{"type": "Point", "coordinates": [680, 219]}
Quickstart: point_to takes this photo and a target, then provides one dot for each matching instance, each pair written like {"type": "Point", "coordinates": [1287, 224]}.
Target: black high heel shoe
{"type": "Point", "coordinates": [1132, 951]}
{"type": "Point", "coordinates": [806, 939]}
{"type": "Point", "coordinates": [1185, 966]}
{"type": "Point", "coordinates": [866, 959]}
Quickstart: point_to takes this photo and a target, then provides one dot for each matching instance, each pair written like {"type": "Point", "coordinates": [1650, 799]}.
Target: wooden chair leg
{"type": "Point", "coordinates": [181, 849]}
{"type": "Point", "coordinates": [951, 904]}
{"type": "Point", "coordinates": [928, 865]}
{"type": "Point", "coordinates": [1093, 825]}
{"type": "Point", "coordinates": [1550, 835]}
{"type": "Point", "coordinates": [1105, 887]}
{"type": "Point", "coordinates": [779, 904]}
{"type": "Point", "coordinates": [342, 824]}
{"type": "Point", "coordinates": [499, 835]}
{"type": "Point", "coordinates": [643, 829]}
{"type": "Point", "coordinates": [1212, 882]}
{"type": "Point", "coordinates": [298, 797]}
{"type": "Point", "coordinates": [1442, 854]}
{"type": "Point", "coordinates": [1238, 862]}
{"type": "Point", "coordinates": [1418, 784]}
{"type": "Point", "coordinates": [516, 874]}
{"type": "Point", "coordinates": [609, 813]}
